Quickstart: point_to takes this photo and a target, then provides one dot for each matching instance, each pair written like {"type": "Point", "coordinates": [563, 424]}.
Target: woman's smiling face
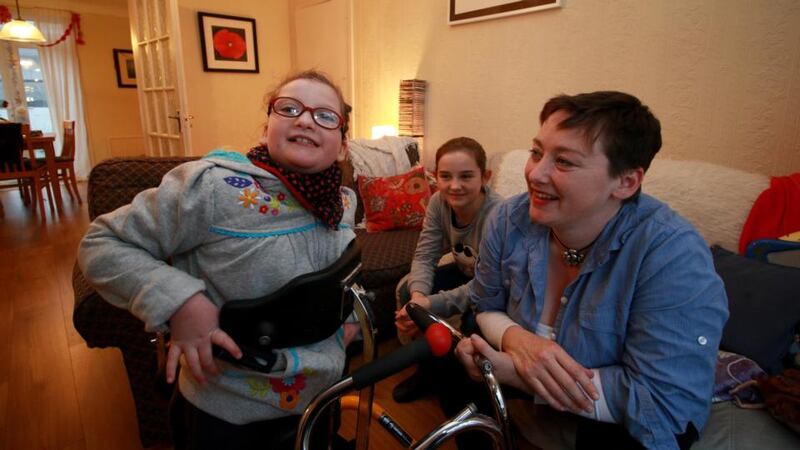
{"type": "Point", "coordinates": [298, 143]}
{"type": "Point", "coordinates": [568, 179]}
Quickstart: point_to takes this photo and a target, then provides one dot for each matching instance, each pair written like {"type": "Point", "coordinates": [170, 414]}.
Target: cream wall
{"type": "Point", "coordinates": [723, 76]}
{"type": "Point", "coordinates": [227, 107]}
{"type": "Point", "coordinates": [112, 113]}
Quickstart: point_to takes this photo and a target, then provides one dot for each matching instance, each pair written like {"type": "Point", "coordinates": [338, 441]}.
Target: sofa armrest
{"type": "Point", "coordinates": [98, 322]}
{"type": "Point", "coordinates": [114, 182]}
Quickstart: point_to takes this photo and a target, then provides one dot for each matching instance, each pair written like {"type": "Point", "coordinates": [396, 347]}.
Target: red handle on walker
{"type": "Point", "coordinates": [439, 339]}
{"type": "Point", "coordinates": [437, 342]}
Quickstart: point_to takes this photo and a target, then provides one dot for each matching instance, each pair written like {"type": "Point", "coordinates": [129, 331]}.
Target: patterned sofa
{"type": "Point", "coordinates": [386, 257]}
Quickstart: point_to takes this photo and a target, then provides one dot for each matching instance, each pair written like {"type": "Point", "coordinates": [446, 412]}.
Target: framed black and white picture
{"type": "Point", "coordinates": [126, 70]}
{"type": "Point", "coordinates": [466, 11]}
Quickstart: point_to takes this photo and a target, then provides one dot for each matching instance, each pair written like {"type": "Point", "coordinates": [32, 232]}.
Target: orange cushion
{"type": "Point", "coordinates": [395, 203]}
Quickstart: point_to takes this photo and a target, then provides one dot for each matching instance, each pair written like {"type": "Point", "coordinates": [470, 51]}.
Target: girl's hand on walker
{"type": "Point", "coordinates": [194, 328]}
{"type": "Point", "coordinates": [404, 324]}
{"type": "Point", "coordinates": [350, 332]}
{"type": "Point", "coordinates": [466, 353]}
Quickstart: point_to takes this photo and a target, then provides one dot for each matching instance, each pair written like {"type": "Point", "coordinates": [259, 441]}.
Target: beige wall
{"type": "Point", "coordinates": [723, 76]}
{"type": "Point", "coordinates": [329, 52]}
{"type": "Point", "coordinates": [227, 107]}
{"type": "Point", "coordinates": [112, 113]}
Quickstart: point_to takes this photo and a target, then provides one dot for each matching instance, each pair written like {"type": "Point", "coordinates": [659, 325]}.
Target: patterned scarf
{"type": "Point", "coordinates": [317, 192]}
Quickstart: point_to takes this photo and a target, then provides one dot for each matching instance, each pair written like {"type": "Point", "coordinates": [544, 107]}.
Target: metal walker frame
{"type": "Point", "coordinates": [374, 370]}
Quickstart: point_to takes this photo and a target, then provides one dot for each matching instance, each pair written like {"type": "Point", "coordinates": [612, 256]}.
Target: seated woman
{"type": "Point", "coordinates": [454, 222]}
{"type": "Point", "coordinates": [603, 302]}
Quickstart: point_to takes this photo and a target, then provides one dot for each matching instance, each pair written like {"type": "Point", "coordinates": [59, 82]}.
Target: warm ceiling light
{"type": "Point", "coordinates": [19, 30]}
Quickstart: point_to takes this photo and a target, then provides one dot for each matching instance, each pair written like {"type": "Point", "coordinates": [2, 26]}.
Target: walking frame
{"type": "Point", "coordinates": [364, 378]}
{"type": "Point", "coordinates": [304, 311]}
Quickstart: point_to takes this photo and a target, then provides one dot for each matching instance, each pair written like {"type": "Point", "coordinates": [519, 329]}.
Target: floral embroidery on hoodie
{"type": "Point", "coordinates": [288, 388]}
{"type": "Point", "coordinates": [256, 198]}
{"type": "Point", "coordinates": [248, 198]}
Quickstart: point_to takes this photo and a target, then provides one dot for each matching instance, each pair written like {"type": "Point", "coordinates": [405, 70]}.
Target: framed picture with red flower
{"type": "Point", "coordinates": [126, 71]}
{"type": "Point", "coordinates": [228, 43]}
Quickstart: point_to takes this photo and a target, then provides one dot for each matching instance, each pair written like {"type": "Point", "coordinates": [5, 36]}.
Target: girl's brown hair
{"type": "Point", "coordinates": [466, 144]}
{"type": "Point", "coordinates": [314, 75]}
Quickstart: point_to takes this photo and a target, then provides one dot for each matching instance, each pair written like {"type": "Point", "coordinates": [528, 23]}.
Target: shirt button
{"type": "Point", "coordinates": [563, 300]}
{"type": "Point", "coordinates": [506, 283]}
{"type": "Point", "coordinates": [702, 340]}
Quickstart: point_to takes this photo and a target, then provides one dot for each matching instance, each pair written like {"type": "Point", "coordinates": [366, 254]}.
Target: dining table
{"type": "Point", "coordinates": [45, 143]}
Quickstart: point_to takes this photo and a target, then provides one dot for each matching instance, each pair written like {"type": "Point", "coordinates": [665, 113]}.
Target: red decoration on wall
{"type": "Point", "coordinates": [75, 22]}
{"type": "Point", "coordinates": [5, 14]}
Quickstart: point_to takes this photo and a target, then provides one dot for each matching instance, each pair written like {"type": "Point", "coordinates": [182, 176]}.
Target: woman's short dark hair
{"type": "Point", "coordinates": [628, 132]}
{"type": "Point", "coordinates": [320, 77]}
{"type": "Point", "coordinates": [465, 144]}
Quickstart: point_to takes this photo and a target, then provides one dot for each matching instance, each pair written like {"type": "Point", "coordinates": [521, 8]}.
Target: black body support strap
{"type": "Point", "coordinates": [308, 309]}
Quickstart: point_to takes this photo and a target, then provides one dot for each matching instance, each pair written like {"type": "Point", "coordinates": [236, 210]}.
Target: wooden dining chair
{"type": "Point", "coordinates": [13, 166]}
{"type": "Point", "coordinates": [65, 162]}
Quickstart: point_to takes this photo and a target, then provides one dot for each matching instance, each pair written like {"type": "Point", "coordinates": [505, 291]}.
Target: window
{"type": "Point", "coordinates": [35, 93]}
{"type": "Point", "coordinates": [22, 85]}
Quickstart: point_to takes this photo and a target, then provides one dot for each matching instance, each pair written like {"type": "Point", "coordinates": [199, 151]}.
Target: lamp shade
{"type": "Point", "coordinates": [379, 131]}
{"type": "Point", "coordinates": [21, 31]}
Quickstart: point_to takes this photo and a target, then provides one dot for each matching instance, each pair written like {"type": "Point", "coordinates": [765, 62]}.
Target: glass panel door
{"type": "Point", "coordinates": [155, 35]}
{"type": "Point", "coordinates": [3, 102]}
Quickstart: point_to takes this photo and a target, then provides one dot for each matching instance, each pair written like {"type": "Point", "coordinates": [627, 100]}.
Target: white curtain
{"type": "Point", "coordinates": [62, 80]}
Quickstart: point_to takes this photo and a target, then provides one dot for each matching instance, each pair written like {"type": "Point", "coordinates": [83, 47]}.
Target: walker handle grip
{"type": "Point", "coordinates": [423, 319]}
{"type": "Point", "coordinates": [391, 364]}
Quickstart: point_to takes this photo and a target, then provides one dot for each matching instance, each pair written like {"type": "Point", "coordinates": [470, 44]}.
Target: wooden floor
{"type": "Point", "coordinates": [55, 393]}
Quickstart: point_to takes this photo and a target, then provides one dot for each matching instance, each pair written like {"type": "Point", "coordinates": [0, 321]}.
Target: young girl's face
{"type": "Point", "coordinates": [298, 143]}
{"type": "Point", "coordinates": [459, 179]}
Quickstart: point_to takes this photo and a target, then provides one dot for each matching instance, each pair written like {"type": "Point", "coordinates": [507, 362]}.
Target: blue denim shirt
{"type": "Point", "coordinates": [646, 310]}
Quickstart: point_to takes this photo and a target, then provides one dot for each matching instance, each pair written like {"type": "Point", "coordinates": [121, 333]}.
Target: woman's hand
{"type": "Point", "coordinates": [549, 372]}
{"type": "Point", "coordinates": [503, 368]}
{"type": "Point", "coordinates": [194, 328]}
{"type": "Point", "coordinates": [404, 324]}
{"type": "Point", "coordinates": [468, 351]}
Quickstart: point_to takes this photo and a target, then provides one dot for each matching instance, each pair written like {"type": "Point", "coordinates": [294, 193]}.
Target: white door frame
{"type": "Point", "coordinates": [161, 86]}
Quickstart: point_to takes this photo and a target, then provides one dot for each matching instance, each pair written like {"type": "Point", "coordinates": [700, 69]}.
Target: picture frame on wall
{"type": "Point", "coordinates": [228, 43]}
{"type": "Point", "coordinates": [125, 68]}
{"type": "Point", "coordinates": [466, 11]}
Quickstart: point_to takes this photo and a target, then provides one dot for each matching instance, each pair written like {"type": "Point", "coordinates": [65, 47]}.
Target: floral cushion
{"type": "Point", "coordinates": [396, 202]}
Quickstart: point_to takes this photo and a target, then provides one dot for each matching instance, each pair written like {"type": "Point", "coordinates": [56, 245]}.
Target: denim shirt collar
{"type": "Point", "coordinates": [614, 234]}
{"type": "Point", "coordinates": [611, 238]}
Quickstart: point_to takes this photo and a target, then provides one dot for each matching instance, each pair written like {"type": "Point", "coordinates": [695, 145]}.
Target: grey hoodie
{"type": "Point", "coordinates": [439, 236]}
{"type": "Point", "coordinates": [232, 238]}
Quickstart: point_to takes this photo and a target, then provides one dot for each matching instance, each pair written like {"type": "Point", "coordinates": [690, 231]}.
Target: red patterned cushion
{"type": "Point", "coordinates": [395, 203]}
